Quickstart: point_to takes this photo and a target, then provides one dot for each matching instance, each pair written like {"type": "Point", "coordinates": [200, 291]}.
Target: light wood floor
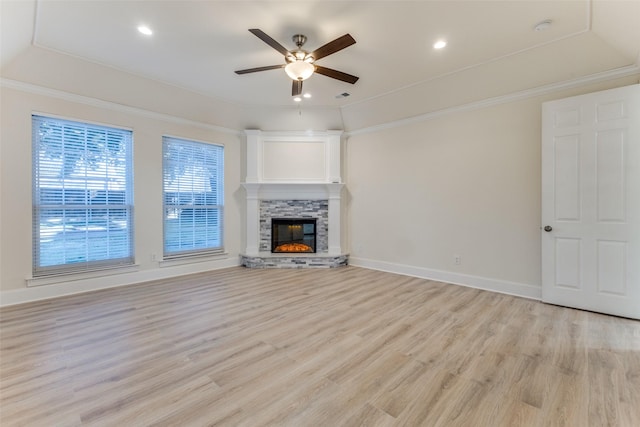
{"type": "Point", "coordinates": [339, 347]}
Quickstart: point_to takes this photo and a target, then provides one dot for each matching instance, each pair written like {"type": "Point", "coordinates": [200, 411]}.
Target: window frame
{"type": "Point", "coordinates": [91, 209]}
{"type": "Point", "coordinates": [168, 255]}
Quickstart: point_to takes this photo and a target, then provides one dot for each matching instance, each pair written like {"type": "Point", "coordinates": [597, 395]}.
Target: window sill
{"type": "Point", "coordinates": [171, 262]}
{"type": "Point", "coordinates": [81, 275]}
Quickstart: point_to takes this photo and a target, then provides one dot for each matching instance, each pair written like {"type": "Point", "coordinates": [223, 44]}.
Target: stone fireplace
{"type": "Point", "coordinates": [294, 210]}
{"type": "Point", "coordinates": [295, 177]}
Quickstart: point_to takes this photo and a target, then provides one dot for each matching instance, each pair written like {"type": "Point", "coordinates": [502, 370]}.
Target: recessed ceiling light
{"type": "Point", "coordinates": [543, 25]}
{"type": "Point", "coordinates": [307, 95]}
{"type": "Point", "coordinates": [143, 29]}
{"type": "Point", "coordinates": [297, 99]}
{"type": "Point", "coordinates": [439, 44]}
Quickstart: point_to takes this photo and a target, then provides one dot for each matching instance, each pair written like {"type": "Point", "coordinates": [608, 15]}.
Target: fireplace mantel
{"type": "Point", "coordinates": [272, 174]}
{"type": "Point", "coordinates": [293, 191]}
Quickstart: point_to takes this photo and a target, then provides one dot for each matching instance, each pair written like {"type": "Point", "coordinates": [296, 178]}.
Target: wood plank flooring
{"type": "Point", "coordinates": [337, 347]}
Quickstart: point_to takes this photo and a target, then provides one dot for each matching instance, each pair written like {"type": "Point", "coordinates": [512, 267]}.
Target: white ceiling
{"type": "Point", "coordinates": [197, 45]}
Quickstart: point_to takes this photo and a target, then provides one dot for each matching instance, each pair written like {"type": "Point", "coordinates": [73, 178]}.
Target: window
{"type": "Point", "coordinates": [82, 196]}
{"type": "Point", "coordinates": [193, 184]}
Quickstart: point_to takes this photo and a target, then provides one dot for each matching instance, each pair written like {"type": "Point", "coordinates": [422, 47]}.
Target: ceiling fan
{"type": "Point", "coordinates": [300, 64]}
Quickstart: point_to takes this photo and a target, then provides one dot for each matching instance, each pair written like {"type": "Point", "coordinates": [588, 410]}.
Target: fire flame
{"type": "Point", "coordinates": [293, 247]}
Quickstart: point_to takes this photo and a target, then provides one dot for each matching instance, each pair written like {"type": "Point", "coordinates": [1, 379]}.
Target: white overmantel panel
{"type": "Point", "coordinates": [293, 157]}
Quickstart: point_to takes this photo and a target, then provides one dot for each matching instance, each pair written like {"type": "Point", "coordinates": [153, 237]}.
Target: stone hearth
{"type": "Point", "coordinates": [294, 261]}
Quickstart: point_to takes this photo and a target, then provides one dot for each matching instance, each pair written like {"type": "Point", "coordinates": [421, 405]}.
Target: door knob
{"type": "Point", "coordinates": [548, 228]}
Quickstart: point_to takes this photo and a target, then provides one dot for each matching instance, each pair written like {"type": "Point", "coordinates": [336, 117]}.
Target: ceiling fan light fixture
{"type": "Point", "coordinates": [299, 70]}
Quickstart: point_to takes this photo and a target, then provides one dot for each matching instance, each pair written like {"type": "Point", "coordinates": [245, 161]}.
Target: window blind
{"type": "Point", "coordinates": [82, 196]}
{"type": "Point", "coordinates": [193, 193]}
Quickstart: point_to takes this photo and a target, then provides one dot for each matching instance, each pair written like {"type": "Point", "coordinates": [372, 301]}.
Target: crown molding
{"type": "Point", "coordinates": [108, 105]}
{"type": "Point", "coordinates": [629, 70]}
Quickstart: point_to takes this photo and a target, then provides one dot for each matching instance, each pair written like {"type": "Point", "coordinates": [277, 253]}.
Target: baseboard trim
{"type": "Point", "coordinates": [495, 285]}
{"type": "Point", "coordinates": [25, 295]}
{"type": "Point", "coordinates": [71, 287]}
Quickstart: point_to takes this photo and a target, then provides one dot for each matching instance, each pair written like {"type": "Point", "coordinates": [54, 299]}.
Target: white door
{"type": "Point", "coordinates": [591, 202]}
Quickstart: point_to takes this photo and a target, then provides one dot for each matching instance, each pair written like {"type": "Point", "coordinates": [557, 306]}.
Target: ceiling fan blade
{"type": "Point", "coordinates": [296, 89]}
{"type": "Point", "coordinates": [333, 46]}
{"type": "Point", "coordinates": [335, 74]}
{"type": "Point", "coordinates": [268, 40]}
{"type": "Point", "coordinates": [254, 70]}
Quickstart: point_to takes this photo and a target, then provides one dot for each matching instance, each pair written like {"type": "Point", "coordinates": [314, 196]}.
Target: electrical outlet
{"type": "Point", "coordinates": [457, 260]}
{"type": "Point", "coordinates": [154, 257]}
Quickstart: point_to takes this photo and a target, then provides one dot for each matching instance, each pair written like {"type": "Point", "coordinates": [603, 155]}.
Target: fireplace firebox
{"type": "Point", "coordinates": [293, 235]}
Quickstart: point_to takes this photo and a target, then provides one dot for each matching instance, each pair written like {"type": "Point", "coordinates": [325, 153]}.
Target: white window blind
{"type": "Point", "coordinates": [193, 183]}
{"type": "Point", "coordinates": [82, 196]}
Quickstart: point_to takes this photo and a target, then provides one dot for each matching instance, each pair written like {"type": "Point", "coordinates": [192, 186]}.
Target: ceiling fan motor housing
{"type": "Point", "coordinates": [299, 55]}
{"type": "Point", "coordinates": [299, 40]}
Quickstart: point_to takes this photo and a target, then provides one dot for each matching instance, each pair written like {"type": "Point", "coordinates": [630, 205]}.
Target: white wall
{"type": "Point", "coordinates": [467, 184]}
{"type": "Point", "coordinates": [15, 180]}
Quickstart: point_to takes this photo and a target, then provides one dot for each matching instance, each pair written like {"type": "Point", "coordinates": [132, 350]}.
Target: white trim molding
{"type": "Point", "coordinates": [108, 105]}
{"type": "Point", "coordinates": [488, 284]}
{"type": "Point", "coordinates": [78, 285]}
{"type": "Point", "coordinates": [515, 96]}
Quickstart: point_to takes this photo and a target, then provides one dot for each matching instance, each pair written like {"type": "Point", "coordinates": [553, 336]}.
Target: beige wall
{"type": "Point", "coordinates": [466, 184]}
{"type": "Point", "coordinates": [15, 181]}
